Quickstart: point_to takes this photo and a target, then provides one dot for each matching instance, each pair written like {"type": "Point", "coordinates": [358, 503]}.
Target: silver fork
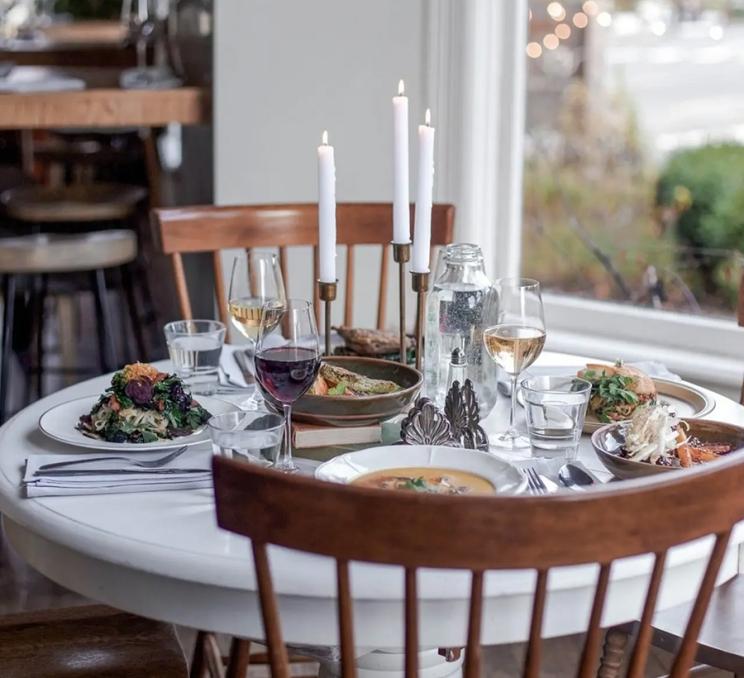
{"type": "Point", "coordinates": [535, 482]}
{"type": "Point", "coordinates": [140, 463]}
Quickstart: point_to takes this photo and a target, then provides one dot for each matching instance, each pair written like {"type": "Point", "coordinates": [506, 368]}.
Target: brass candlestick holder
{"type": "Point", "coordinates": [401, 256]}
{"type": "Point", "coordinates": [327, 294]}
{"type": "Point", "coordinates": [420, 284]}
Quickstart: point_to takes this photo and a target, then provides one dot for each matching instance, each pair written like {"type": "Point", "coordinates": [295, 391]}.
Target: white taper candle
{"type": "Point", "coordinates": [424, 190]}
{"type": "Point", "coordinates": [327, 211]}
{"type": "Point", "coordinates": [401, 199]}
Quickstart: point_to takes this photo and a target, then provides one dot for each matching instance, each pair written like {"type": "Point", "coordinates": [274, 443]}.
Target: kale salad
{"type": "Point", "coordinates": [143, 405]}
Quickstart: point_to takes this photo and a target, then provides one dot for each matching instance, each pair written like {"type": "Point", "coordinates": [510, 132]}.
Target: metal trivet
{"type": "Point", "coordinates": [457, 426]}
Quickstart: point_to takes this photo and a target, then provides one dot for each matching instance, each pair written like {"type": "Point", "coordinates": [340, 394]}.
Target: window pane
{"type": "Point", "coordinates": [634, 165]}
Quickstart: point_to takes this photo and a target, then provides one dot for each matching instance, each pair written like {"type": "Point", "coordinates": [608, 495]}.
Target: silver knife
{"type": "Point", "coordinates": [243, 362]}
{"type": "Point", "coordinates": [118, 471]}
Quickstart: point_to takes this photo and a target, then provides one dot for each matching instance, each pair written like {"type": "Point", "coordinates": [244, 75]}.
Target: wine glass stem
{"type": "Point", "coordinates": [286, 459]}
{"type": "Point", "coordinates": [513, 410]}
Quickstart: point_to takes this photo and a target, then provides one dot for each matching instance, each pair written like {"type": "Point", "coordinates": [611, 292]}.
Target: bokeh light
{"type": "Point", "coordinates": [534, 51]}
{"type": "Point", "coordinates": [580, 20]}
{"type": "Point", "coordinates": [604, 19]}
{"type": "Point", "coordinates": [551, 41]}
{"type": "Point", "coordinates": [556, 11]}
{"type": "Point", "coordinates": [590, 7]}
{"type": "Point", "coordinates": [563, 31]}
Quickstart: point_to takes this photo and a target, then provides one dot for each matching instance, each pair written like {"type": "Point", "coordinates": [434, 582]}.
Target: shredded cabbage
{"type": "Point", "coordinates": [653, 432]}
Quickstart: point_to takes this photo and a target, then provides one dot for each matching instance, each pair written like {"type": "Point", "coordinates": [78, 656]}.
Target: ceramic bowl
{"type": "Point", "coordinates": [608, 440]}
{"type": "Point", "coordinates": [365, 410]}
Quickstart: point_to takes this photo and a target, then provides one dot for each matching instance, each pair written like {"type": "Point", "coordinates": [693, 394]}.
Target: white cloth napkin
{"type": "Point", "coordinates": [23, 82]}
{"type": "Point", "coordinates": [112, 483]}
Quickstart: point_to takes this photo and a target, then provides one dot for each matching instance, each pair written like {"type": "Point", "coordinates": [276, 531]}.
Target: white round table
{"type": "Point", "coordinates": [161, 555]}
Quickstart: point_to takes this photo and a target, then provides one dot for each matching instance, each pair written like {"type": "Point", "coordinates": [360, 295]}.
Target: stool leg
{"type": "Point", "coordinates": [9, 292]}
{"type": "Point", "coordinates": [106, 347]}
{"type": "Point", "coordinates": [134, 318]}
{"type": "Point", "coordinates": [41, 284]}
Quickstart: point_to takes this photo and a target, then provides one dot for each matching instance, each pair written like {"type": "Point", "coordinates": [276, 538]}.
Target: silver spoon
{"type": "Point", "coordinates": [574, 477]}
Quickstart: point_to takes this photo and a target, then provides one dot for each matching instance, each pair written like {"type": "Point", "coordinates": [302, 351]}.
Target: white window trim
{"type": "Point", "coordinates": [475, 56]}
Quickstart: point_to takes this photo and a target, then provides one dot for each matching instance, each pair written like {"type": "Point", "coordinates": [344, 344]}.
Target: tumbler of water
{"type": "Point", "coordinates": [194, 347]}
{"type": "Point", "coordinates": [247, 436]}
{"type": "Point", "coordinates": [555, 408]}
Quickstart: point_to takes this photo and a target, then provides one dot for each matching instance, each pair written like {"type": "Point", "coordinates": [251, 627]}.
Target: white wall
{"type": "Point", "coordinates": [287, 69]}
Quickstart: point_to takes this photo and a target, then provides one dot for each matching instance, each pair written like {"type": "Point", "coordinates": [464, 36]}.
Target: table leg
{"type": "Point", "coordinates": [381, 663]}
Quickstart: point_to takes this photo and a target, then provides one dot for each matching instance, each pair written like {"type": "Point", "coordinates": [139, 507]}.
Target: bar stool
{"type": "Point", "coordinates": [72, 205]}
{"type": "Point", "coordinates": [36, 258]}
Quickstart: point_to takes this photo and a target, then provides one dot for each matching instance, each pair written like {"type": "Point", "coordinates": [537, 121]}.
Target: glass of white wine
{"type": "Point", "coordinates": [256, 279]}
{"type": "Point", "coordinates": [514, 341]}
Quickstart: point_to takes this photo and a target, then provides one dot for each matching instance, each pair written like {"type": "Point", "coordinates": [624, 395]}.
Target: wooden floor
{"type": "Point", "coordinates": [24, 589]}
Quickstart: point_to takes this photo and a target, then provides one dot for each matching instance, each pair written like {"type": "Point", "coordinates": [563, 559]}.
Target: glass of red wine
{"type": "Point", "coordinates": [287, 361]}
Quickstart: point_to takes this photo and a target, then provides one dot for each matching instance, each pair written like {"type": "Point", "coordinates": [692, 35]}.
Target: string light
{"type": "Point", "coordinates": [604, 19]}
{"type": "Point", "coordinates": [534, 51]}
{"type": "Point", "coordinates": [580, 20]}
{"type": "Point", "coordinates": [563, 31]}
{"type": "Point", "coordinates": [556, 11]}
{"type": "Point", "coordinates": [551, 41]}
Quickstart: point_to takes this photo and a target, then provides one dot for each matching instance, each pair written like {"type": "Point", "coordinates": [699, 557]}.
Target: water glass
{"type": "Point", "coordinates": [556, 407]}
{"type": "Point", "coordinates": [194, 347]}
{"type": "Point", "coordinates": [249, 436]}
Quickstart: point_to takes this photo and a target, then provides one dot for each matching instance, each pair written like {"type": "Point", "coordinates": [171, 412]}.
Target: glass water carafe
{"type": "Point", "coordinates": [454, 320]}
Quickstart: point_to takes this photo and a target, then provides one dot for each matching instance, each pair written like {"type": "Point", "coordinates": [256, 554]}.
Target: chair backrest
{"type": "Point", "coordinates": [211, 229]}
{"type": "Point", "coordinates": [483, 533]}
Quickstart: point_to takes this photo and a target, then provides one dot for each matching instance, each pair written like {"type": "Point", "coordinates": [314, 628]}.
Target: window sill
{"type": "Point", "coordinates": [708, 351]}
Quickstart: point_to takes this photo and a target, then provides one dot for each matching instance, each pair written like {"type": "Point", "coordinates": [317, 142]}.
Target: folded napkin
{"type": "Point", "coordinates": [103, 481]}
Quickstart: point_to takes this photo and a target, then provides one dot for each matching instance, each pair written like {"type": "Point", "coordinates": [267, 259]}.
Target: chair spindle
{"type": "Point", "coordinates": [349, 293]}
{"type": "Point", "coordinates": [639, 657]}
{"type": "Point", "coordinates": [382, 299]}
{"type": "Point", "coordinates": [184, 303]}
{"type": "Point", "coordinates": [316, 276]}
{"type": "Point", "coordinates": [411, 620]}
{"type": "Point", "coordinates": [345, 620]}
{"type": "Point", "coordinates": [593, 639]}
{"type": "Point", "coordinates": [532, 660]}
{"type": "Point", "coordinates": [473, 654]}
{"type": "Point", "coordinates": [219, 287]}
{"type": "Point", "coordinates": [283, 264]}
{"type": "Point", "coordinates": [686, 654]}
{"type": "Point", "coordinates": [272, 629]}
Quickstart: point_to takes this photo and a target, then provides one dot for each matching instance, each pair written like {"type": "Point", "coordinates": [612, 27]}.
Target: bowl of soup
{"type": "Point", "coordinates": [429, 469]}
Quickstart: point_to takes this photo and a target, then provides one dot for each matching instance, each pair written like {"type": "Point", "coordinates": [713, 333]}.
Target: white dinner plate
{"type": "Point", "coordinates": [59, 424]}
{"type": "Point", "coordinates": [347, 467]}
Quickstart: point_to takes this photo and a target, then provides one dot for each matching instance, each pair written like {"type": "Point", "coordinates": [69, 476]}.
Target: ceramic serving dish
{"type": "Point", "coordinates": [365, 410]}
{"type": "Point", "coordinates": [609, 439]}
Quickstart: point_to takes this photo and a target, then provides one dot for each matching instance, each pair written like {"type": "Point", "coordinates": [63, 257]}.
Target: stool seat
{"type": "Point", "coordinates": [77, 203]}
{"type": "Point", "coordinates": [67, 253]}
{"type": "Point", "coordinates": [88, 642]}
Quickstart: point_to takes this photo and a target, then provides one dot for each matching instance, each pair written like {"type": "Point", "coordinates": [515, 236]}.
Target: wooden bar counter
{"type": "Point", "coordinates": [103, 104]}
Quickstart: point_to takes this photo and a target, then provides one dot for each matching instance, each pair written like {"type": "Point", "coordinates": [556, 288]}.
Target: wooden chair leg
{"type": "Point", "coordinates": [41, 283]}
{"type": "Point", "coordinates": [239, 659]}
{"type": "Point", "coordinates": [9, 293]}
{"type": "Point", "coordinates": [198, 660]}
{"type": "Point", "coordinates": [613, 654]}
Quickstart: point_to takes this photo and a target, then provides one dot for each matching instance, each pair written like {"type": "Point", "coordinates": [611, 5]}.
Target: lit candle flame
{"type": "Point", "coordinates": [427, 118]}
{"type": "Point", "coordinates": [325, 137]}
{"type": "Point", "coordinates": [401, 88]}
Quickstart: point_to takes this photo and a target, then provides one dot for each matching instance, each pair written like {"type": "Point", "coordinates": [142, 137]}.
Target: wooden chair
{"type": "Point", "coordinates": [483, 533]}
{"type": "Point", "coordinates": [211, 229]}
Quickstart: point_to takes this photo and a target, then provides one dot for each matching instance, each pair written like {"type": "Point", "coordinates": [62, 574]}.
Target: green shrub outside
{"type": "Point", "coordinates": [89, 9]}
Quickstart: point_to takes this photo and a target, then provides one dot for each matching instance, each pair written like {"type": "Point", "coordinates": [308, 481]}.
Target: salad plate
{"type": "Point", "coordinates": [59, 423]}
{"type": "Point", "coordinates": [402, 460]}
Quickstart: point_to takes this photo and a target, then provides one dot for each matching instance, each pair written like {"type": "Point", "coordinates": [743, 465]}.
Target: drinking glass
{"type": "Point", "coordinates": [514, 341]}
{"type": "Point", "coordinates": [287, 360]}
{"type": "Point", "coordinates": [248, 436]}
{"type": "Point", "coordinates": [255, 280]}
{"type": "Point", "coordinates": [194, 347]}
{"type": "Point", "coordinates": [555, 408]}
